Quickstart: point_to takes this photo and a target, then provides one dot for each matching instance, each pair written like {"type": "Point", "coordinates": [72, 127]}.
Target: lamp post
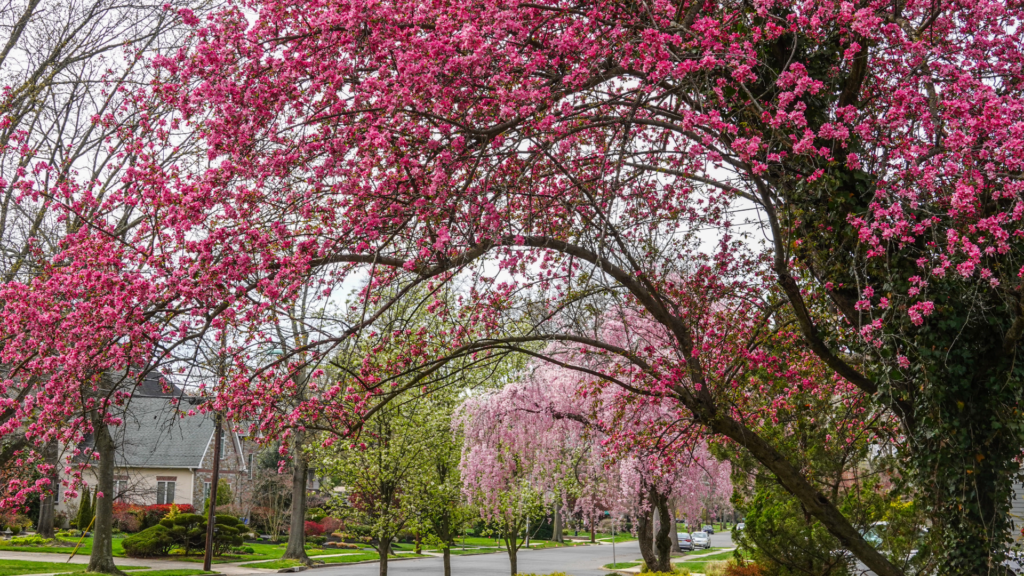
{"type": "Point", "coordinates": [615, 560]}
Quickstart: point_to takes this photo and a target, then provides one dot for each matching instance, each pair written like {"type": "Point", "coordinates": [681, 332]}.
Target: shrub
{"type": "Point", "coordinates": [228, 535]}
{"type": "Point", "coordinates": [127, 521]}
{"type": "Point", "coordinates": [314, 529]}
{"type": "Point", "coordinates": [154, 513]}
{"type": "Point", "coordinates": [187, 530]}
{"type": "Point", "coordinates": [15, 530]}
{"type": "Point", "coordinates": [154, 541]}
{"type": "Point", "coordinates": [22, 521]}
{"type": "Point", "coordinates": [331, 525]}
{"type": "Point", "coordinates": [341, 545]}
{"type": "Point", "coordinates": [29, 541]}
{"type": "Point", "coordinates": [716, 568]}
{"type": "Point", "coordinates": [317, 540]}
{"type": "Point", "coordinates": [748, 569]}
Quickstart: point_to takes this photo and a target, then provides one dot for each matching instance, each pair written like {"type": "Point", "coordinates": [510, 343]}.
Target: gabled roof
{"type": "Point", "coordinates": [153, 385]}
{"type": "Point", "coordinates": [154, 435]}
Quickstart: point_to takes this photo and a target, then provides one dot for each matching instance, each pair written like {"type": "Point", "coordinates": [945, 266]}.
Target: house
{"type": "Point", "coordinates": [164, 457]}
{"type": "Point", "coordinates": [1017, 516]}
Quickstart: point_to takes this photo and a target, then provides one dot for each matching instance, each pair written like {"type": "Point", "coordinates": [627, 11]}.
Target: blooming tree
{"type": "Point", "coordinates": [554, 157]}
{"type": "Point", "coordinates": [553, 432]}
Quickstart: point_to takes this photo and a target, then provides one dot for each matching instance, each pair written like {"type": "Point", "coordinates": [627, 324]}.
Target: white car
{"type": "Point", "coordinates": [701, 540]}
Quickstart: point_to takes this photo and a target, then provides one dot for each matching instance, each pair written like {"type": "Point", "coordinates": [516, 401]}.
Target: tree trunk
{"type": "Point", "coordinates": [48, 506]}
{"type": "Point", "coordinates": [593, 530]}
{"type": "Point", "coordinates": [556, 533]}
{"type": "Point", "coordinates": [444, 532]}
{"type": "Point", "coordinates": [510, 536]}
{"type": "Point", "coordinates": [385, 549]}
{"type": "Point", "coordinates": [662, 541]}
{"type": "Point", "coordinates": [645, 536]}
{"type": "Point", "coordinates": [673, 533]}
{"type": "Point", "coordinates": [102, 558]}
{"type": "Point", "coordinates": [512, 560]}
{"type": "Point", "coordinates": [297, 532]}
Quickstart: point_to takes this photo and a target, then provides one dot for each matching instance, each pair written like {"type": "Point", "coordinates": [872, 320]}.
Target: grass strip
{"type": "Point", "coordinates": [620, 565]}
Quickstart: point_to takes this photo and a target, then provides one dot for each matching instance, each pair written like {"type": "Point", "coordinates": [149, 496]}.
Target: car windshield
{"type": "Point", "coordinates": [699, 535]}
{"type": "Point", "coordinates": [683, 535]}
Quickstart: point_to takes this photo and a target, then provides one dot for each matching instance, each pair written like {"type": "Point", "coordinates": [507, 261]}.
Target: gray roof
{"type": "Point", "coordinates": [153, 385]}
{"type": "Point", "coordinates": [154, 435]}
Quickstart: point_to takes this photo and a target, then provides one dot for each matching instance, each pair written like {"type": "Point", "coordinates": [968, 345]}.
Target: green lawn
{"type": "Point", "coordinates": [273, 564]}
{"type": "Point", "coordinates": [261, 550]}
{"type": "Point", "coordinates": [709, 550]}
{"type": "Point", "coordinates": [12, 567]}
{"type": "Point", "coordinates": [353, 558]}
{"type": "Point", "coordinates": [619, 536]}
{"type": "Point", "coordinates": [698, 564]}
{"type": "Point", "coordinates": [462, 551]}
{"type": "Point", "coordinates": [65, 547]}
{"type": "Point", "coordinates": [153, 572]}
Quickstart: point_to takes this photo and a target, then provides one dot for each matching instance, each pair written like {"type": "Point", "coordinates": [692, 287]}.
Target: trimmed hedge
{"type": "Point", "coordinates": [155, 541]}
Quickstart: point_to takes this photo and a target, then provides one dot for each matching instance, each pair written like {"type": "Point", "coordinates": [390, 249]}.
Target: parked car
{"type": "Point", "coordinates": [685, 543]}
{"type": "Point", "coordinates": [701, 540]}
{"type": "Point", "coordinates": [708, 528]}
{"type": "Point", "coordinates": [740, 527]}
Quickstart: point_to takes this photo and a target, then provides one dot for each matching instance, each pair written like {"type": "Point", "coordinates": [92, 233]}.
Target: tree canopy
{"type": "Point", "coordinates": [575, 171]}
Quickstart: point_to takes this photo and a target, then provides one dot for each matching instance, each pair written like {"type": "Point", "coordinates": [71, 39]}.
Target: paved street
{"type": "Point", "coordinates": [575, 561]}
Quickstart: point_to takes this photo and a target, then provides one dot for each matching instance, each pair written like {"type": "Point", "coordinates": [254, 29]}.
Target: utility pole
{"type": "Point", "coordinates": [217, 429]}
{"type": "Point", "coordinates": [210, 524]}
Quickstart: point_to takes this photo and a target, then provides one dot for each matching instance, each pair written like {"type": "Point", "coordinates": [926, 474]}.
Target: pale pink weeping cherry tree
{"type": "Point", "coordinates": [553, 429]}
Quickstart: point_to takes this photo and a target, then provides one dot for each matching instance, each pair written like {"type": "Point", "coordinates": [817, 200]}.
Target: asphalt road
{"type": "Point", "coordinates": [575, 561]}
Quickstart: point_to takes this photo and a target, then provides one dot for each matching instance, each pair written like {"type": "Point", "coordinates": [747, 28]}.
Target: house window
{"type": "Point", "coordinates": [223, 444]}
{"type": "Point", "coordinates": [206, 492]}
{"type": "Point", "coordinates": [120, 489]}
{"type": "Point", "coordinates": [165, 492]}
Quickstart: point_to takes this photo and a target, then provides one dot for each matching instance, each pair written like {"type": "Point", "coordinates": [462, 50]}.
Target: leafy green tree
{"type": "Point", "coordinates": [85, 510]}
{"type": "Point", "coordinates": [379, 471]}
{"type": "Point", "coordinates": [440, 505]}
{"type": "Point", "coordinates": [222, 495]}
